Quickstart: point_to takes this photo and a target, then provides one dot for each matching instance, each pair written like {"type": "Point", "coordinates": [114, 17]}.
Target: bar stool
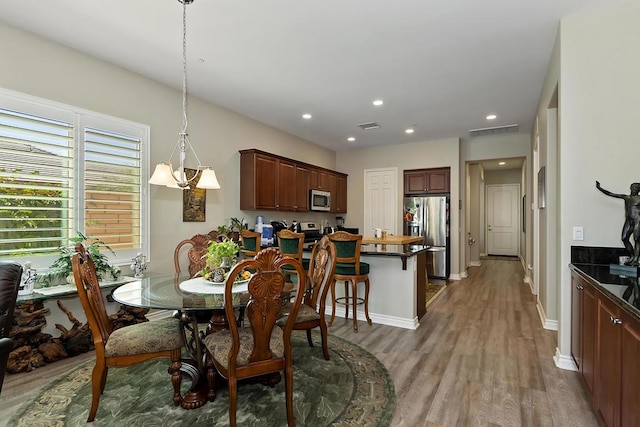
{"type": "Point", "coordinates": [291, 245]}
{"type": "Point", "coordinates": [250, 242]}
{"type": "Point", "coordinates": [351, 270]}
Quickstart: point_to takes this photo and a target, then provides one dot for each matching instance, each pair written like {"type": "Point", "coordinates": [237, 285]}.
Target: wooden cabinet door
{"type": "Point", "coordinates": [302, 189]}
{"type": "Point", "coordinates": [438, 180]}
{"type": "Point", "coordinates": [286, 195]}
{"type": "Point", "coordinates": [333, 189]}
{"type": "Point", "coordinates": [630, 388]}
{"type": "Point", "coordinates": [266, 182]}
{"type": "Point", "coordinates": [415, 182]}
{"type": "Point", "coordinates": [577, 290]}
{"type": "Point", "coordinates": [607, 385]}
{"type": "Point", "coordinates": [589, 335]}
{"type": "Point", "coordinates": [341, 195]}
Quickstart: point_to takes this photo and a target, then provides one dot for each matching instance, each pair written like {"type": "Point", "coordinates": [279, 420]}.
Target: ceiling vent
{"type": "Point", "coordinates": [368, 126]}
{"type": "Point", "coordinates": [498, 130]}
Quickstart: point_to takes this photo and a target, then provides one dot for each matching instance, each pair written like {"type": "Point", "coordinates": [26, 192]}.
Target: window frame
{"type": "Point", "coordinates": [82, 118]}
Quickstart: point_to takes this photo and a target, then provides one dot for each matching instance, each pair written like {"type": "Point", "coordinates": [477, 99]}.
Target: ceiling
{"type": "Point", "coordinates": [441, 66]}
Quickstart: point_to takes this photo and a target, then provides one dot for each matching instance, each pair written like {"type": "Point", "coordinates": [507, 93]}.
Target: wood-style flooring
{"type": "Point", "coordinates": [479, 358]}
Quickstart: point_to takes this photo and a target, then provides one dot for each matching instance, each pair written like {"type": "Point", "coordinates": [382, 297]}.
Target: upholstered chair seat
{"type": "Point", "coordinates": [148, 337]}
{"type": "Point", "coordinates": [220, 344]}
{"type": "Point", "coordinates": [350, 269]}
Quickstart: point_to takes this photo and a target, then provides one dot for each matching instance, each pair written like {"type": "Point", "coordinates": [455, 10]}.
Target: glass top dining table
{"type": "Point", "coordinates": [171, 292]}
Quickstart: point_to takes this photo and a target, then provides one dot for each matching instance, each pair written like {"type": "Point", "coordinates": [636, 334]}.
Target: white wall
{"type": "Point", "coordinates": [39, 67]}
{"type": "Point", "coordinates": [599, 89]}
{"type": "Point", "coordinates": [416, 155]}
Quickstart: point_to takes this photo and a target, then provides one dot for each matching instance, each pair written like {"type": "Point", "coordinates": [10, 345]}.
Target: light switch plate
{"type": "Point", "coordinates": [578, 233]}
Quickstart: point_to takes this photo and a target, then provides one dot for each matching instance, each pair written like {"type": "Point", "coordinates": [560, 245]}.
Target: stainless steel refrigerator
{"type": "Point", "coordinates": [428, 216]}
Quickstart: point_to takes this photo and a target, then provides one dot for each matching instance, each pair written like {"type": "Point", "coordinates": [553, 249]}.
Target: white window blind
{"type": "Point", "coordinates": [112, 188]}
{"type": "Point", "coordinates": [37, 186]}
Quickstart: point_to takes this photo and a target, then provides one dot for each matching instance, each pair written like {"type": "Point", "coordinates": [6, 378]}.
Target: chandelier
{"type": "Point", "coordinates": [164, 174]}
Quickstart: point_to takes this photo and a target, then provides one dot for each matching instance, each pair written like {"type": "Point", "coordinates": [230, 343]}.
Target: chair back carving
{"type": "Point", "coordinates": [198, 246]}
{"type": "Point", "coordinates": [347, 248]}
{"type": "Point", "coordinates": [250, 242]}
{"type": "Point", "coordinates": [264, 305]}
{"type": "Point", "coordinates": [84, 273]}
{"type": "Point", "coordinates": [320, 274]}
{"type": "Point", "coordinates": [291, 244]}
{"type": "Point", "coordinates": [10, 276]}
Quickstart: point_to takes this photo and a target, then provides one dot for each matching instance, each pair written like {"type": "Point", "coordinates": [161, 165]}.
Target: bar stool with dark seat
{"type": "Point", "coordinates": [291, 245]}
{"type": "Point", "coordinates": [250, 243]}
{"type": "Point", "coordinates": [351, 270]}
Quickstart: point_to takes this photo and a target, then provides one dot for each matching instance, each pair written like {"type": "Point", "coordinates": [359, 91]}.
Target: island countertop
{"type": "Point", "coordinates": [393, 240]}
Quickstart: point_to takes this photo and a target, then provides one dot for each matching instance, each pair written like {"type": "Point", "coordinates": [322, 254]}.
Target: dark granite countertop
{"type": "Point", "coordinates": [389, 250]}
{"type": "Point", "coordinates": [625, 291]}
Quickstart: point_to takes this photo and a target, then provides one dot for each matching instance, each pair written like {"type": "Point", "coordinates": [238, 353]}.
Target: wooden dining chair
{"type": "Point", "coordinates": [319, 279]}
{"type": "Point", "coordinates": [262, 347]}
{"type": "Point", "coordinates": [126, 346]}
{"type": "Point", "coordinates": [350, 270]}
{"type": "Point", "coordinates": [249, 242]}
{"type": "Point", "coordinates": [197, 248]}
{"type": "Point", "coordinates": [291, 245]}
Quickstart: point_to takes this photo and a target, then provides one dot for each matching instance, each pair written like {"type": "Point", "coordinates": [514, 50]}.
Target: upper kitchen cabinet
{"type": "Point", "coordinates": [425, 181]}
{"type": "Point", "coordinates": [319, 180]}
{"type": "Point", "coordinates": [271, 182]}
{"type": "Point", "coordinates": [338, 190]}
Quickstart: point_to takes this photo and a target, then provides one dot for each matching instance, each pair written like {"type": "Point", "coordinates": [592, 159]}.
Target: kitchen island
{"type": "Point", "coordinates": [398, 277]}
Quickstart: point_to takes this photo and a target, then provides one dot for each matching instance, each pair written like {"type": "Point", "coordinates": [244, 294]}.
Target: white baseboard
{"type": "Point", "coordinates": [381, 319]}
{"type": "Point", "coordinates": [475, 264]}
{"type": "Point", "coordinates": [551, 325]}
{"type": "Point", "coordinates": [483, 254]}
{"type": "Point", "coordinates": [460, 276]}
{"type": "Point", "coordinates": [564, 362]}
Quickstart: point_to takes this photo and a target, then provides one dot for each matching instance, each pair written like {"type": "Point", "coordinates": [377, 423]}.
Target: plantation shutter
{"type": "Point", "coordinates": [112, 167]}
{"type": "Point", "coordinates": [36, 183]}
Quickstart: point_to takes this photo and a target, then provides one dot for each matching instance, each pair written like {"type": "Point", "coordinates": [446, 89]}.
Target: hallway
{"type": "Point", "coordinates": [480, 357]}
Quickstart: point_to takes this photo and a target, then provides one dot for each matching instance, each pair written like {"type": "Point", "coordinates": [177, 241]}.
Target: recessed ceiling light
{"type": "Point", "coordinates": [378, 102]}
{"type": "Point", "coordinates": [409, 131]}
{"type": "Point", "coordinates": [351, 139]}
{"type": "Point", "coordinates": [502, 163]}
{"type": "Point", "coordinates": [306, 116]}
{"type": "Point", "coordinates": [491, 117]}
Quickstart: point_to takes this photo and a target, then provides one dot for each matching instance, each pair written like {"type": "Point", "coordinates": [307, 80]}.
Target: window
{"type": "Point", "coordinates": [64, 170]}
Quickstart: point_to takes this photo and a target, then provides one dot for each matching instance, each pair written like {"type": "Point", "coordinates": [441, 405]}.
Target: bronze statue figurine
{"type": "Point", "coordinates": [632, 220]}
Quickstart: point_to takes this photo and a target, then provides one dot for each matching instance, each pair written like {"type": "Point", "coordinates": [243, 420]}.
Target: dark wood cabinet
{"type": "Point", "coordinates": [319, 180]}
{"type": "Point", "coordinates": [607, 384]}
{"type": "Point", "coordinates": [426, 181]}
{"type": "Point", "coordinates": [630, 390]}
{"type": "Point", "coordinates": [341, 195]}
{"type": "Point", "coordinates": [605, 344]}
{"type": "Point", "coordinates": [271, 182]}
{"type": "Point", "coordinates": [583, 327]}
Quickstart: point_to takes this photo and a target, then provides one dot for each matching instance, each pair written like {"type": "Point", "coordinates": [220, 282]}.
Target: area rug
{"type": "Point", "coordinates": [352, 389]}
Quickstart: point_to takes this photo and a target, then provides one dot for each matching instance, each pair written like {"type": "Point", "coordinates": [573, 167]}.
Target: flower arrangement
{"type": "Point", "coordinates": [219, 255]}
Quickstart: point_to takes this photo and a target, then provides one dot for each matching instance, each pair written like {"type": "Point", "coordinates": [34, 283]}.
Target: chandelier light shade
{"type": "Point", "coordinates": [164, 174]}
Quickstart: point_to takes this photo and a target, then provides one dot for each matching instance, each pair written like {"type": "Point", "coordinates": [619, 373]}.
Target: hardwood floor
{"type": "Point", "coordinates": [480, 357]}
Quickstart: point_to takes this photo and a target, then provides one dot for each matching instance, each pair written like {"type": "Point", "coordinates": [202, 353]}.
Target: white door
{"type": "Point", "coordinates": [381, 205]}
{"type": "Point", "coordinates": [503, 219]}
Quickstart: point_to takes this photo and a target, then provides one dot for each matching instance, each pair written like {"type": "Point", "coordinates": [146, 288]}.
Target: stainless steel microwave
{"type": "Point", "coordinates": [319, 200]}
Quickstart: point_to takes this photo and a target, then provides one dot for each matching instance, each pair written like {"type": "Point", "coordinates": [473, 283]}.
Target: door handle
{"type": "Point", "coordinates": [615, 320]}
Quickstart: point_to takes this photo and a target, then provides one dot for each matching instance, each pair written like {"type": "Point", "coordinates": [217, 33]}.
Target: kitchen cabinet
{"type": "Point", "coordinates": [583, 327]}
{"type": "Point", "coordinates": [426, 181]}
{"type": "Point", "coordinates": [319, 180]}
{"type": "Point", "coordinates": [271, 182]}
{"type": "Point", "coordinates": [605, 343]}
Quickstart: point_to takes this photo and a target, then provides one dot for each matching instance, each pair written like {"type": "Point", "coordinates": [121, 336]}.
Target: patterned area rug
{"type": "Point", "coordinates": [353, 388]}
{"type": "Point", "coordinates": [433, 290]}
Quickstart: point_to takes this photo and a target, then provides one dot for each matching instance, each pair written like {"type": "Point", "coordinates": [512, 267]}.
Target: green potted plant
{"type": "Point", "coordinates": [219, 255]}
{"type": "Point", "coordinates": [62, 268]}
